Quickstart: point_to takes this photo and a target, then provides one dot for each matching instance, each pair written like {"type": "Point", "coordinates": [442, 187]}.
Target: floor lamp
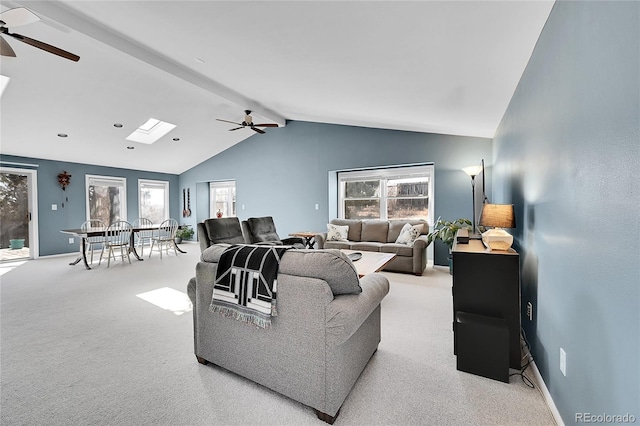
{"type": "Point", "coordinates": [473, 171]}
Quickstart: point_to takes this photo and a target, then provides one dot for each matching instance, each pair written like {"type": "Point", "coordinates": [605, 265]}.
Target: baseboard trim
{"type": "Point", "coordinates": [546, 395]}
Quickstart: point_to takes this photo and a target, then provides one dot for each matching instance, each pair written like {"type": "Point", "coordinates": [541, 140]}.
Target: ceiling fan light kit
{"type": "Point", "coordinates": [23, 16]}
{"type": "Point", "coordinates": [248, 122]}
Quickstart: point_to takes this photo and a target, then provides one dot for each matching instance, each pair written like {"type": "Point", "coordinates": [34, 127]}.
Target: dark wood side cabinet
{"type": "Point", "coordinates": [487, 283]}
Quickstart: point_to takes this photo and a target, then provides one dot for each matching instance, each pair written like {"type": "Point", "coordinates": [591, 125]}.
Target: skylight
{"type": "Point", "coordinates": [4, 80]}
{"type": "Point", "coordinates": [152, 130]}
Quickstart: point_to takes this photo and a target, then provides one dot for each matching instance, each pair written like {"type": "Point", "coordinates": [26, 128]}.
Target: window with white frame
{"type": "Point", "coordinates": [222, 198]}
{"type": "Point", "coordinates": [153, 200]}
{"type": "Point", "coordinates": [106, 198]}
{"type": "Point", "coordinates": [402, 192]}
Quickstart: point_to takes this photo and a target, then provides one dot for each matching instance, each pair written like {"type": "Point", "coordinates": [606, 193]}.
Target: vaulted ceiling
{"type": "Point", "coordinates": [427, 66]}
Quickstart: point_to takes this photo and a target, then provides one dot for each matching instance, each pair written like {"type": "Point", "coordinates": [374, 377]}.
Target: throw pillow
{"type": "Point", "coordinates": [337, 232]}
{"type": "Point", "coordinates": [408, 234]}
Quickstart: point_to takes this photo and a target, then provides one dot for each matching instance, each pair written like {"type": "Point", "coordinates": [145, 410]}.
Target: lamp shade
{"type": "Point", "coordinates": [498, 216]}
{"type": "Point", "coordinates": [472, 171]}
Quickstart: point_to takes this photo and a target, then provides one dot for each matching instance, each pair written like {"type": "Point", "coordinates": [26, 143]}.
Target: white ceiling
{"type": "Point", "coordinates": [428, 66]}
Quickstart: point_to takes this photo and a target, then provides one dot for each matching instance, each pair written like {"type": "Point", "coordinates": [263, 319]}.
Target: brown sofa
{"type": "Point", "coordinates": [381, 236]}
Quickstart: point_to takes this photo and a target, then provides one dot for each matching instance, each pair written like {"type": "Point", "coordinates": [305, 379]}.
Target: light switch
{"type": "Point", "coordinates": [316, 207]}
{"type": "Point", "coordinates": [54, 207]}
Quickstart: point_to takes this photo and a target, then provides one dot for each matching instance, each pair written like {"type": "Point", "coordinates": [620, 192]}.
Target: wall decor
{"type": "Point", "coordinates": [64, 179]}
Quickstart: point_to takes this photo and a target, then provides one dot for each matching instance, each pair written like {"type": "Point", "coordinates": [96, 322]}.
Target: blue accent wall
{"type": "Point", "coordinates": [50, 239]}
{"type": "Point", "coordinates": [567, 155]}
{"type": "Point", "coordinates": [286, 172]}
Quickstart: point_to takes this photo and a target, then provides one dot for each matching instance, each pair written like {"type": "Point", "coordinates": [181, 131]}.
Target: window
{"type": "Point", "coordinates": [106, 198]}
{"type": "Point", "coordinates": [153, 200]}
{"type": "Point", "coordinates": [222, 198]}
{"type": "Point", "coordinates": [389, 193]}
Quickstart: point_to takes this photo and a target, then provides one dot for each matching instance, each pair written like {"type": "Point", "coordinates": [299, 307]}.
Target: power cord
{"type": "Point", "coordinates": [527, 358]}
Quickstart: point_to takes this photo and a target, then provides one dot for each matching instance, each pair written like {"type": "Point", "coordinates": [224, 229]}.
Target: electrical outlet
{"type": "Point", "coordinates": [530, 311]}
{"type": "Point", "coordinates": [70, 240]}
{"type": "Point", "coordinates": [563, 362]}
{"type": "Point", "coordinates": [317, 206]}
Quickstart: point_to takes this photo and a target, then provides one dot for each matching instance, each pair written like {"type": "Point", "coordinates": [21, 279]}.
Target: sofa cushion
{"type": "Point", "coordinates": [409, 234]}
{"type": "Point", "coordinates": [338, 244]}
{"type": "Point", "coordinates": [367, 246]}
{"type": "Point", "coordinates": [397, 249]}
{"type": "Point", "coordinates": [375, 230]}
{"type": "Point", "coordinates": [337, 232]}
{"type": "Point", "coordinates": [332, 266]}
{"type": "Point", "coordinates": [355, 227]}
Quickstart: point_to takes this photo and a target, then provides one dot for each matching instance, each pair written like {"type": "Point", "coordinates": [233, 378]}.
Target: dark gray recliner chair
{"type": "Point", "coordinates": [262, 230]}
{"type": "Point", "coordinates": [226, 230]}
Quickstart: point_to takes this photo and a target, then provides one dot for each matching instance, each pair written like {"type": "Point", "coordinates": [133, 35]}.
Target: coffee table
{"type": "Point", "coordinates": [370, 262]}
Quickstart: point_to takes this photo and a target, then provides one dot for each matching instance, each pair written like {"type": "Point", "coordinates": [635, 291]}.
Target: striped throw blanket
{"type": "Point", "coordinates": [246, 283]}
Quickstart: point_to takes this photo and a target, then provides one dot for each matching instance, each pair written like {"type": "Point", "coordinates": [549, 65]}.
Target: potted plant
{"type": "Point", "coordinates": [445, 231]}
{"type": "Point", "coordinates": [184, 233]}
{"type": "Point", "coordinates": [16, 243]}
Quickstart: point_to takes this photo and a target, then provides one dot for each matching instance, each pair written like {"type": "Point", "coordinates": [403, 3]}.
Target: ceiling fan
{"type": "Point", "coordinates": [248, 122]}
{"type": "Point", "coordinates": [23, 16]}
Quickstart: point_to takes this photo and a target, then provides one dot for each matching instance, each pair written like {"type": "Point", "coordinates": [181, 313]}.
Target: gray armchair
{"type": "Point", "coordinates": [262, 230]}
{"type": "Point", "coordinates": [326, 330]}
{"type": "Point", "coordinates": [225, 230]}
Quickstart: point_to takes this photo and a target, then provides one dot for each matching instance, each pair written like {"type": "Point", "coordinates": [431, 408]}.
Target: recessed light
{"type": "Point", "coordinates": [176, 139]}
{"type": "Point", "coordinates": [118, 125]}
{"type": "Point", "coordinates": [62, 135]}
{"type": "Point", "coordinates": [131, 147]}
{"type": "Point", "coordinates": [199, 60]}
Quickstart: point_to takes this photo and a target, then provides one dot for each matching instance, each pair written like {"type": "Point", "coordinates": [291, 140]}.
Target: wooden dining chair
{"type": "Point", "coordinates": [118, 235]}
{"type": "Point", "coordinates": [165, 237]}
{"type": "Point", "coordinates": [143, 237]}
{"type": "Point", "coordinates": [92, 242]}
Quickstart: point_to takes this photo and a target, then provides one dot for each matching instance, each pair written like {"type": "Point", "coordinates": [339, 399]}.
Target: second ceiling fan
{"type": "Point", "coordinates": [248, 122]}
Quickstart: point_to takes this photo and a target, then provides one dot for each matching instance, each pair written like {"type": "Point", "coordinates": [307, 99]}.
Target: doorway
{"type": "Point", "coordinates": [18, 230]}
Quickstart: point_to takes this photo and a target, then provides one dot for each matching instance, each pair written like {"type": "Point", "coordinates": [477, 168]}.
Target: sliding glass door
{"type": "Point", "coordinates": [18, 239]}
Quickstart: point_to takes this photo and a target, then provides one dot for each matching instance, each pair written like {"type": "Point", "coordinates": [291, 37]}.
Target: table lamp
{"type": "Point", "coordinates": [498, 216]}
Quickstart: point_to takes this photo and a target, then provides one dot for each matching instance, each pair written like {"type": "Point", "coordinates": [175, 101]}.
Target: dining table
{"type": "Point", "coordinates": [83, 234]}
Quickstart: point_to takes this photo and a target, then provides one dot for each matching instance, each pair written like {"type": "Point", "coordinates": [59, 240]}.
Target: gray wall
{"type": "Point", "coordinates": [567, 155]}
{"type": "Point", "coordinates": [50, 222]}
{"type": "Point", "coordinates": [285, 172]}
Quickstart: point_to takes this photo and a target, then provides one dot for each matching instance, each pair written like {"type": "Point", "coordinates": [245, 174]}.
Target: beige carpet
{"type": "Point", "coordinates": [79, 347]}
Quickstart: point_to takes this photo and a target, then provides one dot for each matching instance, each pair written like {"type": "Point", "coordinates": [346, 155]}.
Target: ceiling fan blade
{"type": "Point", "coordinates": [236, 128]}
{"type": "Point", "coordinates": [257, 130]}
{"type": "Point", "coordinates": [227, 121]}
{"type": "Point", "coordinates": [5, 49]}
{"type": "Point", "coordinates": [266, 125]}
{"type": "Point", "coordinates": [44, 46]}
{"type": "Point", "coordinates": [18, 16]}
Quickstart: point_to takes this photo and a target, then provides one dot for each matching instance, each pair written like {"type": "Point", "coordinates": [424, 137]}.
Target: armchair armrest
{"type": "Point", "coordinates": [346, 313]}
